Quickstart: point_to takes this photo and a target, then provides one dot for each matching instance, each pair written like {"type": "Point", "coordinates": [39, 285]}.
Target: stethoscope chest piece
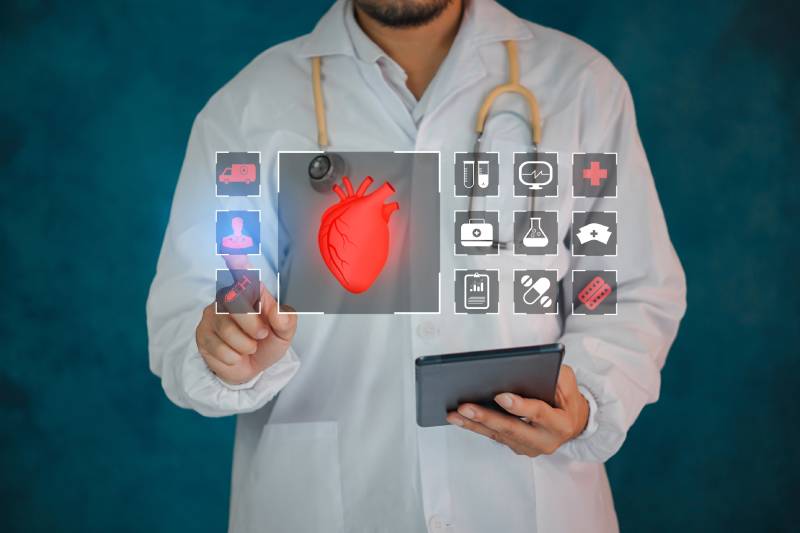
{"type": "Point", "coordinates": [324, 171]}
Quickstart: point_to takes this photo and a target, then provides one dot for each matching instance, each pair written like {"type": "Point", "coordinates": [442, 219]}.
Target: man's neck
{"type": "Point", "coordinates": [420, 50]}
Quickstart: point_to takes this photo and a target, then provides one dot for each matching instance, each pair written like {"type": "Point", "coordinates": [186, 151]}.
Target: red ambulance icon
{"type": "Point", "coordinates": [238, 173]}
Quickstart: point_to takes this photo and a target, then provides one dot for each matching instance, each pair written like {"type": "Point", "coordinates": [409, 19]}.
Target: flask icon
{"type": "Point", "coordinates": [535, 237]}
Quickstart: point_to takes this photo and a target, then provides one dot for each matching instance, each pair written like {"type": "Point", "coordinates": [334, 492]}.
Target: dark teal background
{"type": "Point", "coordinates": [96, 102]}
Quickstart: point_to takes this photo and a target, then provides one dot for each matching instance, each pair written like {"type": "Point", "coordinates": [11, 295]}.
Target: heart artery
{"type": "Point", "coordinates": [354, 234]}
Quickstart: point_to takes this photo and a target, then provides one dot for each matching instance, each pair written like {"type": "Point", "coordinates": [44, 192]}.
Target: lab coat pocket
{"type": "Point", "coordinates": [294, 465]}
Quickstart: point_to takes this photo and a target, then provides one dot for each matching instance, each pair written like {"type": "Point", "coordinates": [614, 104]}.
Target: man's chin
{"type": "Point", "coordinates": [402, 13]}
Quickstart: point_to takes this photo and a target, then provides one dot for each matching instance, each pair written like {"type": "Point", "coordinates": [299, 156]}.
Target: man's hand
{"type": "Point", "coordinates": [237, 346]}
{"type": "Point", "coordinates": [542, 430]}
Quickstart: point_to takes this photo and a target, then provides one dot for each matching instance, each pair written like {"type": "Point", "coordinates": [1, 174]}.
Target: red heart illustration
{"type": "Point", "coordinates": [354, 234]}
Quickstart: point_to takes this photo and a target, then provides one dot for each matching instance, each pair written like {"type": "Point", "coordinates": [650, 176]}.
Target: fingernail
{"type": "Point", "coordinates": [456, 421]}
{"type": "Point", "coordinates": [262, 334]}
{"type": "Point", "coordinates": [468, 412]}
{"type": "Point", "coordinates": [505, 399]}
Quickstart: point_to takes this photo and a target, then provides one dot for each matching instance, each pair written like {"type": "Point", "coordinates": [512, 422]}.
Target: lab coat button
{"type": "Point", "coordinates": [435, 524]}
{"type": "Point", "coordinates": [427, 330]}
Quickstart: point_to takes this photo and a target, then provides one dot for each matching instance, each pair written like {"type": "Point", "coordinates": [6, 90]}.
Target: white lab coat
{"type": "Point", "coordinates": [338, 449]}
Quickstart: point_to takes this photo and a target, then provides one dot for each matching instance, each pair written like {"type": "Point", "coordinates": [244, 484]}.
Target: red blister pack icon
{"type": "Point", "coordinates": [593, 294]}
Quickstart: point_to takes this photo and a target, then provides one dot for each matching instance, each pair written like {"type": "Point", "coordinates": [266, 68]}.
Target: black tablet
{"type": "Point", "coordinates": [446, 381]}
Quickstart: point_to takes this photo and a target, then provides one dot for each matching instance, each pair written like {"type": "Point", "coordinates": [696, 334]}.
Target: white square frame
{"type": "Point", "coordinates": [572, 170]}
{"type": "Point", "coordinates": [558, 292]}
{"type": "Point", "coordinates": [558, 224]}
{"type": "Point", "coordinates": [455, 158]}
{"type": "Point", "coordinates": [260, 232]}
{"type": "Point", "coordinates": [260, 172]}
{"type": "Point", "coordinates": [467, 270]}
{"type": "Point", "coordinates": [572, 241]}
{"type": "Point", "coordinates": [575, 293]}
{"type": "Point", "coordinates": [216, 277]}
{"type": "Point", "coordinates": [558, 183]}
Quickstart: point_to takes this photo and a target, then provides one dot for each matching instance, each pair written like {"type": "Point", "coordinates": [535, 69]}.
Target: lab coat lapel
{"type": "Point", "coordinates": [390, 101]}
{"type": "Point", "coordinates": [329, 36]}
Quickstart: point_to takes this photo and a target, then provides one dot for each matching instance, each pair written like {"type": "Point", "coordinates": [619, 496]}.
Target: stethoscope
{"type": "Point", "coordinates": [326, 168]}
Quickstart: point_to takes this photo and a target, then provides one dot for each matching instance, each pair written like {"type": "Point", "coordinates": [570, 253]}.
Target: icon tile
{"type": "Point", "coordinates": [477, 174]}
{"type": "Point", "coordinates": [536, 292]}
{"type": "Point", "coordinates": [476, 291]}
{"type": "Point", "coordinates": [594, 292]}
{"type": "Point", "coordinates": [594, 175]}
{"type": "Point", "coordinates": [535, 232]}
{"type": "Point", "coordinates": [536, 174]}
{"type": "Point", "coordinates": [238, 173]}
{"type": "Point", "coordinates": [594, 233]}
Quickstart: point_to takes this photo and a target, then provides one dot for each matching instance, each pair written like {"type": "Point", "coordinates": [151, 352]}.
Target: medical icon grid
{"type": "Point", "coordinates": [477, 174]}
{"type": "Point", "coordinates": [594, 175]}
{"type": "Point", "coordinates": [536, 232]}
{"type": "Point", "coordinates": [237, 232]}
{"type": "Point", "coordinates": [476, 291]}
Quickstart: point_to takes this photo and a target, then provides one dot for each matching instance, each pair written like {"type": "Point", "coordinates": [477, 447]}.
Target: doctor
{"type": "Point", "coordinates": [326, 439]}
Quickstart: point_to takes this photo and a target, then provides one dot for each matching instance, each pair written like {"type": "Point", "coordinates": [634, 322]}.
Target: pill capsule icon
{"type": "Point", "coordinates": [535, 291]}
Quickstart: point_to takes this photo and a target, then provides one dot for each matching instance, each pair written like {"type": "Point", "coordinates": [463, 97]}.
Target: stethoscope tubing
{"type": "Point", "coordinates": [512, 85]}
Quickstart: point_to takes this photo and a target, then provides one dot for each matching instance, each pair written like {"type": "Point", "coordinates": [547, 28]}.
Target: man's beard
{"type": "Point", "coordinates": [402, 13]}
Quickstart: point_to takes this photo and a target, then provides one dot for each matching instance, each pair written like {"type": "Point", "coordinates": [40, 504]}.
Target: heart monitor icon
{"type": "Point", "coordinates": [535, 174]}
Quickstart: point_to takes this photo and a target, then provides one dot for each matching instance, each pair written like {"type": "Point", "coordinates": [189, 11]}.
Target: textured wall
{"type": "Point", "coordinates": [96, 102]}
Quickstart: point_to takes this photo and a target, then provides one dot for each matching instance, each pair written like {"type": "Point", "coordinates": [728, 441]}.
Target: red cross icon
{"type": "Point", "coordinates": [594, 174]}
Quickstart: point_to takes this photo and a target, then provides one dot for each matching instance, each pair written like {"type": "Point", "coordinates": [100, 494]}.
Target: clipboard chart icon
{"type": "Point", "coordinates": [476, 291]}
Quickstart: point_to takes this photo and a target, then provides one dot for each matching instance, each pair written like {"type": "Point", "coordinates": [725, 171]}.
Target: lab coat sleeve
{"type": "Point", "coordinates": [618, 358]}
{"type": "Point", "coordinates": [186, 275]}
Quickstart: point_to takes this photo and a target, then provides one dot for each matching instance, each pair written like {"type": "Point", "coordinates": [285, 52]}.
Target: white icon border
{"type": "Point", "coordinates": [216, 303]}
{"type": "Point", "coordinates": [216, 178]}
{"type": "Point", "coordinates": [463, 292]}
{"type": "Point", "coordinates": [572, 172]}
{"type": "Point", "coordinates": [260, 231]}
{"type": "Point", "coordinates": [513, 225]}
{"type": "Point", "coordinates": [529, 270]}
{"type": "Point", "coordinates": [573, 232]}
{"type": "Point", "coordinates": [558, 176]}
{"type": "Point", "coordinates": [456, 237]}
{"type": "Point", "coordinates": [455, 193]}
{"type": "Point", "coordinates": [438, 191]}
